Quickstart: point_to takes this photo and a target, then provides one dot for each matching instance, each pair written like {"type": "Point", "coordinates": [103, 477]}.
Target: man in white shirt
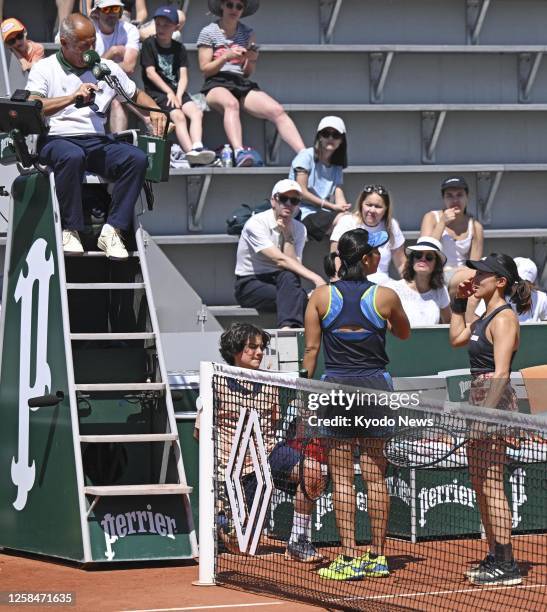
{"type": "Point", "coordinates": [76, 141]}
{"type": "Point", "coordinates": [118, 41]}
{"type": "Point", "coordinates": [269, 255]}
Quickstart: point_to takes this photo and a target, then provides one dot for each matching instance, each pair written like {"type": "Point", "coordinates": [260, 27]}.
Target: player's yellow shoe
{"type": "Point", "coordinates": [345, 569]}
{"type": "Point", "coordinates": [377, 568]}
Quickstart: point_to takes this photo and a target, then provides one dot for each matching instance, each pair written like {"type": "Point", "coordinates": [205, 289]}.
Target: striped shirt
{"type": "Point", "coordinates": [213, 36]}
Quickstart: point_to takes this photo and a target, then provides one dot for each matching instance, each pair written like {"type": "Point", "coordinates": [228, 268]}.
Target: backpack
{"type": "Point", "coordinates": [240, 216]}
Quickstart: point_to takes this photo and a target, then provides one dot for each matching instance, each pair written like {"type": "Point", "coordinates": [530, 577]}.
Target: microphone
{"type": "Point", "coordinates": [92, 60]}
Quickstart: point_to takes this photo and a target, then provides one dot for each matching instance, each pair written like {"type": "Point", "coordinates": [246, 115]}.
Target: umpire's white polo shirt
{"type": "Point", "coordinates": [259, 233]}
{"type": "Point", "coordinates": [54, 77]}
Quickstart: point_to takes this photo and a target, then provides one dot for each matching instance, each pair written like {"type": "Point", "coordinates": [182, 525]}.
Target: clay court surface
{"type": "Point", "coordinates": [139, 588]}
{"type": "Point", "coordinates": [425, 576]}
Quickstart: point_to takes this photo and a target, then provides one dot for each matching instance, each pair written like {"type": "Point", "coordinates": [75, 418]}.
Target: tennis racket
{"type": "Point", "coordinates": [413, 447]}
{"type": "Point", "coordinates": [313, 470]}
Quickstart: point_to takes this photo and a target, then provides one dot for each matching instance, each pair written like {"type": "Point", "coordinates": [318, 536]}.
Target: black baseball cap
{"type": "Point", "coordinates": [454, 182]}
{"type": "Point", "coordinates": [490, 264]}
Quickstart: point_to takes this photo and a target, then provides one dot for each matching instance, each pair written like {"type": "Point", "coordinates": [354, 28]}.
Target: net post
{"type": "Point", "coordinates": [206, 478]}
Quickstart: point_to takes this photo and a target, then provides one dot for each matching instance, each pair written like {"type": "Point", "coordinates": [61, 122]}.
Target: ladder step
{"type": "Point", "coordinates": [146, 489]}
{"type": "Point", "coordinates": [130, 438]}
{"type": "Point", "coordinates": [115, 336]}
{"type": "Point", "coordinates": [105, 285]}
{"type": "Point", "coordinates": [97, 254]}
{"type": "Point", "coordinates": [121, 387]}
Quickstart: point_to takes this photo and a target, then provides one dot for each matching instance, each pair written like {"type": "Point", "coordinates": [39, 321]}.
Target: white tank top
{"type": "Point", "coordinates": [456, 251]}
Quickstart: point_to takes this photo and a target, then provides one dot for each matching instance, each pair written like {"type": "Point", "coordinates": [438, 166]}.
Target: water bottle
{"type": "Point", "coordinates": [226, 156]}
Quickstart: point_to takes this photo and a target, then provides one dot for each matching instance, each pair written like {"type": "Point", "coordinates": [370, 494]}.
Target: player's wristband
{"type": "Point", "coordinates": [459, 306]}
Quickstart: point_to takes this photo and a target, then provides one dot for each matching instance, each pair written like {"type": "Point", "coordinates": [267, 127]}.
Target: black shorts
{"type": "Point", "coordinates": [319, 224]}
{"type": "Point", "coordinates": [371, 406]}
{"type": "Point", "coordinates": [236, 84]}
{"type": "Point", "coordinates": [161, 100]}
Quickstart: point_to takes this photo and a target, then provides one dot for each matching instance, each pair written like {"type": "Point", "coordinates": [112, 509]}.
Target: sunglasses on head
{"type": "Point", "coordinates": [330, 134]}
{"type": "Point", "coordinates": [11, 41]}
{"type": "Point", "coordinates": [237, 5]}
{"type": "Point", "coordinates": [427, 255]}
{"type": "Point", "coordinates": [379, 189]}
{"type": "Point", "coordinates": [112, 10]}
{"type": "Point", "coordinates": [283, 199]}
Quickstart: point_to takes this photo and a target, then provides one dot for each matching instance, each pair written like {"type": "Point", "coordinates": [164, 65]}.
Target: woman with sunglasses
{"type": "Point", "coordinates": [14, 35]}
{"type": "Point", "coordinates": [318, 170]}
{"type": "Point", "coordinates": [350, 318]}
{"type": "Point", "coordinates": [227, 57]}
{"type": "Point", "coordinates": [422, 291]}
{"type": "Point", "coordinates": [492, 342]}
{"type": "Point", "coordinates": [373, 212]}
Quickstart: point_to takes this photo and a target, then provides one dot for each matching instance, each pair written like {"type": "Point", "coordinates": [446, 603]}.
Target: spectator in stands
{"type": "Point", "coordinates": [165, 77]}
{"type": "Point", "coordinates": [64, 8]}
{"type": "Point", "coordinates": [350, 319]}
{"type": "Point", "coordinates": [373, 212]}
{"type": "Point", "coordinates": [136, 12]}
{"type": "Point", "coordinates": [537, 312]}
{"type": "Point", "coordinates": [14, 35]}
{"type": "Point", "coordinates": [421, 290]}
{"type": "Point", "coordinates": [227, 57]}
{"type": "Point", "coordinates": [269, 254]}
{"type": "Point", "coordinates": [118, 41]}
{"type": "Point", "coordinates": [242, 345]}
{"type": "Point", "coordinates": [148, 28]}
{"type": "Point", "coordinates": [318, 171]}
{"type": "Point", "coordinates": [461, 236]}
{"type": "Point", "coordinates": [76, 141]}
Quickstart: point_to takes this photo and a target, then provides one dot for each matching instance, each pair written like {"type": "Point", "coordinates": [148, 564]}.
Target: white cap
{"type": "Point", "coordinates": [332, 122]}
{"type": "Point", "coordinates": [527, 269]}
{"type": "Point", "coordinates": [286, 185]}
{"type": "Point", "coordinates": [99, 4]}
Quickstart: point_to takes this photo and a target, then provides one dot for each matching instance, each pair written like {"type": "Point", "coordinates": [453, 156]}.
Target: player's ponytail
{"type": "Point", "coordinates": [522, 296]}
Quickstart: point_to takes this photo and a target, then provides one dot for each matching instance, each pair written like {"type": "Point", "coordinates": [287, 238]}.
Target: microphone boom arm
{"type": "Point", "coordinates": [113, 82]}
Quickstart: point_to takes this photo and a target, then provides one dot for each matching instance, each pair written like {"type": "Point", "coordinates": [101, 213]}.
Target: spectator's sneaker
{"type": "Point", "coordinates": [71, 242]}
{"type": "Point", "coordinates": [176, 152]}
{"type": "Point", "coordinates": [342, 569]}
{"type": "Point", "coordinates": [506, 573]}
{"type": "Point", "coordinates": [480, 567]}
{"type": "Point", "coordinates": [110, 241]}
{"type": "Point", "coordinates": [244, 159]}
{"type": "Point", "coordinates": [376, 568]}
{"type": "Point", "coordinates": [302, 550]}
{"type": "Point", "coordinates": [200, 157]}
{"type": "Point", "coordinates": [179, 163]}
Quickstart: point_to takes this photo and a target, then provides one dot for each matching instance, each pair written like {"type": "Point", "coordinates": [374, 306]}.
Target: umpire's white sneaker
{"type": "Point", "coordinates": [71, 243]}
{"type": "Point", "coordinates": [110, 241]}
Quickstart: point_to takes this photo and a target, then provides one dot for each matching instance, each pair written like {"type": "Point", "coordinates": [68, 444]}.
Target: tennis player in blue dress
{"type": "Point", "coordinates": [351, 317]}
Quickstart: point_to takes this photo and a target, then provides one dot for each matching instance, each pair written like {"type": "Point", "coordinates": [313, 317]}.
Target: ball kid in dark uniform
{"type": "Point", "coordinates": [351, 316]}
{"type": "Point", "coordinates": [493, 341]}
